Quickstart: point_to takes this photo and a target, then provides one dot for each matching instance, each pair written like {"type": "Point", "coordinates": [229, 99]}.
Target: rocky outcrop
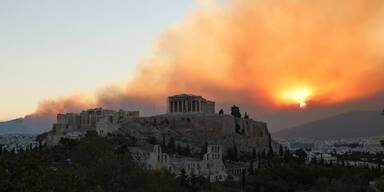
{"type": "Point", "coordinates": [199, 129]}
{"type": "Point", "coordinates": [192, 130]}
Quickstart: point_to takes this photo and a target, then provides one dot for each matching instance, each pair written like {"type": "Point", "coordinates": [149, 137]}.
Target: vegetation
{"type": "Point", "coordinates": [99, 164]}
{"type": "Point", "coordinates": [246, 116]}
{"type": "Point", "coordinates": [235, 111]}
{"type": "Point", "coordinates": [90, 164]}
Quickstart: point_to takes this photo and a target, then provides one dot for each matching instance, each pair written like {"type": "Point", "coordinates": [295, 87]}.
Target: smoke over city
{"type": "Point", "coordinates": [271, 54]}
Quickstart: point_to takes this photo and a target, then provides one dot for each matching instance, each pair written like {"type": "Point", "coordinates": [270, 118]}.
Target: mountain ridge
{"type": "Point", "coordinates": [26, 125]}
{"type": "Point", "coordinates": [346, 125]}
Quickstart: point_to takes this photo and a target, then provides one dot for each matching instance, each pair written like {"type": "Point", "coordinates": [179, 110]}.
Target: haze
{"type": "Point", "coordinates": [268, 56]}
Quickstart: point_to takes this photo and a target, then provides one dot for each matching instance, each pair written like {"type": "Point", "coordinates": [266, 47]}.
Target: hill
{"type": "Point", "coordinates": [346, 125]}
{"type": "Point", "coordinates": [27, 125]}
{"type": "Point", "coordinates": [186, 130]}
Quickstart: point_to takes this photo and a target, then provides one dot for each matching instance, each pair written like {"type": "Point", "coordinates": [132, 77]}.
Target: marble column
{"type": "Point", "coordinates": [198, 105]}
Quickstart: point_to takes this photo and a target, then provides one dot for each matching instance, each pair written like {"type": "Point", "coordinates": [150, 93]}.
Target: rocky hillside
{"type": "Point", "coordinates": [194, 131]}
{"type": "Point", "coordinates": [197, 130]}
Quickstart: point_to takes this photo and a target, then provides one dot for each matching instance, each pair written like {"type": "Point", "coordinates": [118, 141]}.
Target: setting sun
{"type": "Point", "coordinates": [303, 105]}
{"type": "Point", "coordinates": [295, 96]}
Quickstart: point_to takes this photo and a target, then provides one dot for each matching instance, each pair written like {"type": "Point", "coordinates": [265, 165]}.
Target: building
{"type": "Point", "coordinates": [186, 103]}
{"type": "Point", "coordinates": [211, 166]}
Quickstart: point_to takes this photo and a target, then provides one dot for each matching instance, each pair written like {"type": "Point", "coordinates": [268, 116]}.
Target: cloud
{"type": "Point", "coordinates": [271, 54]}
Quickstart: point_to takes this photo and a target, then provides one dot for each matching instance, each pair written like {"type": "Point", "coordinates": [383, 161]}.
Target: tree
{"type": "Point", "coordinates": [251, 168]}
{"type": "Point", "coordinates": [171, 145]}
{"type": "Point", "coordinates": [187, 150]}
{"type": "Point", "coordinates": [235, 111]}
{"type": "Point", "coordinates": [301, 155]}
{"type": "Point", "coordinates": [221, 112]}
{"type": "Point", "coordinates": [163, 143]}
{"type": "Point", "coordinates": [263, 154]}
{"type": "Point", "coordinates": [281, 151]}
{"type": "Point", "coordinates": [254, 155]}
{"type": "Point", "coordinates": [322, 184]}
{"type": "Point", "coordinates": [246, 116]}
{"type": "Point", "coordinates": [179, 150]}
{"type": "Point", "coordinates": [183, 178]}
{"type": "Point", "coordinates": [152, 140]}
{"type": "Point", "coordinates": [235, 153]}
{"type": "Point", "coordinates": [379, 183]}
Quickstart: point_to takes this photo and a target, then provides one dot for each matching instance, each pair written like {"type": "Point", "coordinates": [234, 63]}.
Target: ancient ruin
{"type": "Point", "coordinates": [190, 122]}
{"type": "Point", "coordinates": [186, 103]}
{"type": "Point", "coordinates": [75, 125]}
{"type": "Point", "coordinates": [211, 166]}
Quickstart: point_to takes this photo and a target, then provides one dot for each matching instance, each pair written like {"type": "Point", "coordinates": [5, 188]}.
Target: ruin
{"type": "Point", "coordinates": [89, 118]}
{"type": "Point", "coordinates": [211, 166]}
{"type": "Point", "coordinates": [187, 103]}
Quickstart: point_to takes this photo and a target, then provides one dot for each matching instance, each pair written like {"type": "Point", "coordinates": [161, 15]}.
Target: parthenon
{"type": "Point", "coordinates": [186, 103]}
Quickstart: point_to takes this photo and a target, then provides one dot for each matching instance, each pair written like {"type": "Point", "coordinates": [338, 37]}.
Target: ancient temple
{"type": "Point", "coordinates": [186, 103]}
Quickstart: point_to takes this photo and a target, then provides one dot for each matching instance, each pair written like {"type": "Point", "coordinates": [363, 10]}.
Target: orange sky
{"type": "Point", "coordinates": [272, 54]}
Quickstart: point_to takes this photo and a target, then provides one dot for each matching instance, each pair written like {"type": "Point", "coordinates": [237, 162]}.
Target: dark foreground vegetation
{"type": "Point", "coordinates": [100, 164]}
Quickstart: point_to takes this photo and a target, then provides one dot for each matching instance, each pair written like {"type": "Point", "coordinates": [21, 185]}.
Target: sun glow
{"type": "Point", "coordinates": [298, 96]}
{"type": "Point", "coordinates": [303, 105]}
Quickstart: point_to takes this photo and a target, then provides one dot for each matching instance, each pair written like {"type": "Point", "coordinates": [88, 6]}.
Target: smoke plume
{"type": "Point", "coordinates": [270, 54]}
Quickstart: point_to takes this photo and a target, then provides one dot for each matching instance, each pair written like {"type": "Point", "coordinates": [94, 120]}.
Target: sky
{"type": "Point", "coordinates": [50, 48]}
{"type": "Point", "coordinates": [284, 62]}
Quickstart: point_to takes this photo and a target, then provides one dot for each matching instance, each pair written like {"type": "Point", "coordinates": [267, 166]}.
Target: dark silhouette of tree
{"type": "Point", "coordinates": [301, 155]}
{"type": "Point", "coordinates": [152, 140]}
{"type": "Point", "coordinates": [179, 150]}
{"type": "Point", "coordinates": [163, 143]}
{"type": "Point", "coordinates": [254, 155]}
{"type": "Point", "coordinates": [235, 111]}
{"type": "Point", "coordinates": [243, 180]}
{"type": "Point", "coordinates": [204, 149]}
{"type": "Point", "coordinates": [246, 116]}
{"type": "Point", "coordinates": [187, 150]}
{"type": "Point", "coordinates": [183, 177]}
{"type": "Point", "coordinates": [221, 112]}
{"type": "Point", "coordinates": [251, 168]}
{"type": "Point", "coordinates": [237, 128]}
{"type": "Point", "coordinates": [270, 143]}
{"type": "Point", "coordinates": [263, 154]}
{"type": "Point", "coordinates": [379, 183]}
{"type": "Point", "coordinates": [281, 151]}
{"type": "Point", "coordinates": [171, 147]}
{"type": "Point", "coordinates": [235, 153]}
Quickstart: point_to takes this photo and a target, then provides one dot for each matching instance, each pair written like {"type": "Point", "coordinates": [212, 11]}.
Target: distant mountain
{"type": "Point", "coordinates": [27, 125]}
{"type": "Point", "coordinates": [346, 125]}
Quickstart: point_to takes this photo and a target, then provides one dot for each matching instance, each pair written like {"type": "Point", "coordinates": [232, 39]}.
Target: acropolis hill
{"type": "Point", "coordinates": [190, 120]}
